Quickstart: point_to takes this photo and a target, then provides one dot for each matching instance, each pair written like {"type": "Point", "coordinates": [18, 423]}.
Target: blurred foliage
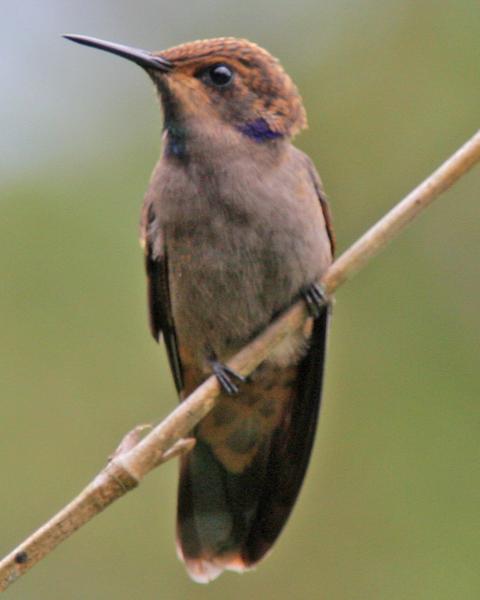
{"type": "Point", "coordinates": [390, 508]}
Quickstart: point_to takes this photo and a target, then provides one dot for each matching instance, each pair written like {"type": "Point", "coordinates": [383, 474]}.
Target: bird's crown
{"type": "Point", "coordinates": [243, 82]}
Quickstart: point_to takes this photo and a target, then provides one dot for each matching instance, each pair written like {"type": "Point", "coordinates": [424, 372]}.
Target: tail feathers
{"type": "Point", "coordinates": [215, 512]}
{"type": "Point", "coordinates": [230, 521]}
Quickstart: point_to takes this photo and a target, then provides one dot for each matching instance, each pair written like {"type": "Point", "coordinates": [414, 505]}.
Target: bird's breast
{"type": "Point", "coordinates": [239, 250]}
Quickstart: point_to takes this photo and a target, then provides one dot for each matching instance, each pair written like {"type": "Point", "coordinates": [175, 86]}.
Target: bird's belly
{"type": "Point", "coordinates": [225, 291]}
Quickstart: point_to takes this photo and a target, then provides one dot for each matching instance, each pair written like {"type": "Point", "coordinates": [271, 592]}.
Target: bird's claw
{"type": "Point", "coordinates": [227, 377]}
{"type": "Point", "coordinates": [316, 299]}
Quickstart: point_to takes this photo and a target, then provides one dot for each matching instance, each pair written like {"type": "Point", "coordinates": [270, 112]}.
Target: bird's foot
{"type": "Point", "coordinates": [227, 377]}
{"type": "Point", "coordinates": [316, 299]}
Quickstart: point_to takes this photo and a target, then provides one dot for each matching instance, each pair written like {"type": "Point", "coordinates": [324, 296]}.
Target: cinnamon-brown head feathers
{"type": "Point", "coordinates": [230, 79]}
{"type": "Point", "coordinates": [243, 83]}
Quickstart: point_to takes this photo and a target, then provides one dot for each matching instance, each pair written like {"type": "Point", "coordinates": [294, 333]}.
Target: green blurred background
{"type": "Point", "coordinates": [390, 508]}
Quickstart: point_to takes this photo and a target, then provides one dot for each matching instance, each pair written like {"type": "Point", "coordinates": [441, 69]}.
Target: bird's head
{"type": "Point", "coordinates": [223, 84]}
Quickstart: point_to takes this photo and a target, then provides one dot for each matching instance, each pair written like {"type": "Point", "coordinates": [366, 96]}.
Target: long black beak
{"type": "Point", "coordinates": [145, 59]}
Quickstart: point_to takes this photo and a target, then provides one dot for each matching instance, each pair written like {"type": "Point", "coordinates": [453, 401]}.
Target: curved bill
{"type": "Point", "coordinates": [145, 59]}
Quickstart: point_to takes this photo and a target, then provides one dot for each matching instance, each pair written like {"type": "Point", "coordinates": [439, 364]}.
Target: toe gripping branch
{"type": "Point", "coordinates": [317, 302]}
{"type": "Point", "coordinates": [316, 299]}
{"type": "Point", "coordinates": [227, 378]}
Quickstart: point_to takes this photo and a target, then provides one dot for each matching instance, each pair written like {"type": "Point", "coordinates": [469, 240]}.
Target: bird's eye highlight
{"type": "Point", "coordinates": [220, 75]}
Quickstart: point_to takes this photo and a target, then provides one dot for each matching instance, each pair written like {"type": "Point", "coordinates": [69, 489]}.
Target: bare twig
{"type": "Point", "coordinates": [132, 461]}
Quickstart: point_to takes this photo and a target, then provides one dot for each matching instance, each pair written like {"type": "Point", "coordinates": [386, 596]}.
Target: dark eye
{"type": "Point", "coordinates": [220, 75]}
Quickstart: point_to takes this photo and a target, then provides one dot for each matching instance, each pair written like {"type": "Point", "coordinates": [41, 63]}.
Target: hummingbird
{"type": "Point", "coordinates": [235, 227]}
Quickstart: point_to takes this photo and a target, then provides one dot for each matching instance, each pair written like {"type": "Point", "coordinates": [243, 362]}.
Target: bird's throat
{"type": "Point", "coordinates": [184, 137]}
{"type": "Point", "coordinates": [176, 141]}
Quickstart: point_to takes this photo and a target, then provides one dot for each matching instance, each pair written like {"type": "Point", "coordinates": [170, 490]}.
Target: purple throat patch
{"type": "Point", "coordinates": [259, 131]}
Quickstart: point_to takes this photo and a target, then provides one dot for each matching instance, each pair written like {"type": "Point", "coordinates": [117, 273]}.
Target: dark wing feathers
{"type": "Point", "coordinates": [156, 265]}
{"type": "Point", "coordinates": [290, 450]}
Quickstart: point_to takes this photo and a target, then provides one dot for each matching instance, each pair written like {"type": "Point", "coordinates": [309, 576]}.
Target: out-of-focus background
{"type": "Point", "coordinates": [390, 508]}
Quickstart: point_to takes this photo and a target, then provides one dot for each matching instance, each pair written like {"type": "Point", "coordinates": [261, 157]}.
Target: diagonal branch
{"type": "Point", "coordinates": [133, 460]}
